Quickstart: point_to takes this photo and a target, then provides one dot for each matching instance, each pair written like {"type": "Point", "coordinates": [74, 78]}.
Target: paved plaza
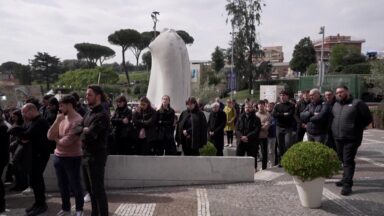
{"type": "Point", "coordinates": [272, 193]}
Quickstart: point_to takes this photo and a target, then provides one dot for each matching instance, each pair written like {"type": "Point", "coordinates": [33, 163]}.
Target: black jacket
{"type": "Point", "coordinates": [165, 124]}
{"type": "Point", "coordinates": [300, 107]}
{"type": "Point", "coordinates": [284, 121]}
{"type": "Point", "coordinates": [248, 125]}
{"type": "Point", "coordinates": [50, 115]}
{"type": "Point", "coordinates": [120, 129]}
{"type": "Point", "coordinates": [146, 119]}
{"type": "Point", "coordinates": [4, 143]}
{"type": "Point", "coordinates": [196, 125]}
{"type": "Point", "coordinates": [316, 124]}
{"type": "Point", "coordinates": [36, 135]}
{"type": "Point", "coordinates": [96, 138]}
{"type": "Point", "coordinates": [81, 109]}
{"type": "Point", "coordinates": [350, 117]}
{"type": "Point", "coordinates": [216, 123]}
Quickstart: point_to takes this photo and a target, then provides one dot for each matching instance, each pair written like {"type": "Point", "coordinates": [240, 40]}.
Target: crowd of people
{"type": "Point", "coordinates": [81, 136]}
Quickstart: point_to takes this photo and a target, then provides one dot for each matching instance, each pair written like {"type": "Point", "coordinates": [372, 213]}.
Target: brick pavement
{"type": "Point", "coordinates": [272, 193]}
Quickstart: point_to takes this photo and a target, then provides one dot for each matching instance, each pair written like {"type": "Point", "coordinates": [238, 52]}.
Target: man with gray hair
{"type": "Point", "coordinates": [216, 123]}
{"type": "Point", "coordinates": [315, 117]}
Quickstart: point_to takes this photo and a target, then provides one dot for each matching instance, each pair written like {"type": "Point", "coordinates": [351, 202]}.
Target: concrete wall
{"type": "Point", "coordinates": [150, 171]}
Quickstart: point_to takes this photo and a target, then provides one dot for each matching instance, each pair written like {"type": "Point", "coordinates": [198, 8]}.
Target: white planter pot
{"type": "Point", "coordinates": [310, 192]}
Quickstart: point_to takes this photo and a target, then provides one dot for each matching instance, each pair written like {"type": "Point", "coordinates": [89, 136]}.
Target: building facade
{"type": "Point", "coordinates": [273, 54]}
{"type": "Point", "coordinates": [331, 41]}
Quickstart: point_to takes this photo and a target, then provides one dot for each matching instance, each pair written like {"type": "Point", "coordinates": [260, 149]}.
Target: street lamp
{"type": "Point", "coordinates": [321, 71]}
{"type": "Point", "coordinates": [232, 77]}
{"type": "Point", "coordinates": [155, 20]}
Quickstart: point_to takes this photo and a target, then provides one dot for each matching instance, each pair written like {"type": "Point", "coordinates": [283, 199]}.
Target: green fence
{"type": "Point", "coordinates": [353, 81]}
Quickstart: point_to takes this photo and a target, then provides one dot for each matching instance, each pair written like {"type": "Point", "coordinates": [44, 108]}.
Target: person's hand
{"type": "Point", "coordinates": [303, 125]}
{"type": "Point", "coordinates": [285, 113]}
{"type": "Point", "coordinates": [211, 133]}
{"type": "Point", "coordinates": [185, 132]}
{"type": "Point", "coordinates": [244, 138]}
{"type": "Point", "coordinates": [316, 113]}
{"type": "Point", "coordinates": [60, 117]}
{"type": "Point", "coordinates": [85, 129]}
{"type": "Point", "coordinates": [125, 120]}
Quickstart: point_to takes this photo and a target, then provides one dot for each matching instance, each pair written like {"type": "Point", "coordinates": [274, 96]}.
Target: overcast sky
{"type": "Point", "coordinates": [54, 26]}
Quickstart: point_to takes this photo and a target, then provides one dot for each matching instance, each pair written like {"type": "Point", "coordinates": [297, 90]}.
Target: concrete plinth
{"type": "Point", "coordinates": [151, 171]}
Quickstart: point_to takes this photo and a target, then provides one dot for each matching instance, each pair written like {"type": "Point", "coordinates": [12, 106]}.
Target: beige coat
{"type": "Point", "coordinates": [265, 119]}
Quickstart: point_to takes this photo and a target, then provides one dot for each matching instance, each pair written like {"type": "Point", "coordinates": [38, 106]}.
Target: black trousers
{"type": "Point", "coordinates": [218, 142]}
{"type": "Point", "coordinates": [39, 162]}
{"type": "Point", "coordinates": [251, 148]}
{"type": "Point", "coordinates": [165, 146]}
{"type": "Point", "coordinates": [300, 133]}
{"type": "Point", "coordinates": [346, 150]}
{"type": "Point", "coordinates": [284, 140]}
{"type": "Point", "coordinates": [2, 191]}
{"type": "Point", "coordinates": [187, 148]}
{"type": "Point", "coordinates": [230, 137]}
{"type": "Point", "coordinates": [93, 172]}
{"type": "Point", "coordinates": [146, 147]}
{"type": "Point", "coordinates": [330, 141]}
{"type": "Point", "coordinates": [264, 152]}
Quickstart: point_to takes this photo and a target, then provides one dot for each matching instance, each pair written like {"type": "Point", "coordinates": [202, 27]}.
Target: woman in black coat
{"type": "Point", "coordinates": [191, 130]}
{"type": "Point", "coordinates": [165, 128]}
{"type": "Point", "coordinates": [122, 129]}
{"type": "Point", "coordinates": [144, 119]}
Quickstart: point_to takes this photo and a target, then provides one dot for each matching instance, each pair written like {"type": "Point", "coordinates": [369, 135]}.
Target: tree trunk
{"type": "Point", "coordinates": [47, 80]}
{"type": "Point", "coordinates": [250, 74]}
{"type": "Point", "coordinates": [125, 67]}
{"type": "Point", "coordinates": [137, 61]}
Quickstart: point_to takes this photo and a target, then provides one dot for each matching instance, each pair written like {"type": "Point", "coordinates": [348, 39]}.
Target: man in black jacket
{"type": "Point", "coordinates": [4, 157]}
{"type": "Point", "coordinates": [216, 123]}
{"type": "Point", "coordinates": [283, 112]}
{"type": "Point", "coordinates": [36, 136]}
{"type": "Point", "coordinates": [247, 131]}
{"type": "Point", "coordinates": [350, 117]}
{"type": "Point", "coordinates": [94, 135]}
{"type": "Point", "coordinates": [300, 107]}
{"type": "Point", "coordinates": [316, 117]}
{"type": "Point", "coordinates": [329, 98]}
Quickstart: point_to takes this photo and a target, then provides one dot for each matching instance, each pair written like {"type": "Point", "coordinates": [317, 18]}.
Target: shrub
{"type": "Point", "coordinates": [208, 150]}
{"type": "Point", "coordinates": [310, 160]}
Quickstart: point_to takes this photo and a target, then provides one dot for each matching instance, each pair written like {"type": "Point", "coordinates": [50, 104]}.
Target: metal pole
{"type": "Point", "coordinates": [321, 72]}
{"type": "Point", "coordinates": [231, 79]}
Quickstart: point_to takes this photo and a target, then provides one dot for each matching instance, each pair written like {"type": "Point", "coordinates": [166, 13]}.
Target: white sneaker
{"type": "Point", "coordinates": [63, 213]}
{"type": "Point", "coordinates": [79, 213]}
{"type": "Point", "coordinates": [87, 198]}
{"type": "Point", "coordinates": [27, 191]}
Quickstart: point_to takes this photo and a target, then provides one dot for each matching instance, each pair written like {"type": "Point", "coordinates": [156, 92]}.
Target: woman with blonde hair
{"type": "Point", "coordinates": [230, 126]}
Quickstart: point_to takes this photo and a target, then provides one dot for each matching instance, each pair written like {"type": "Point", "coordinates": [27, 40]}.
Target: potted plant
{"type": "Point", "coordinates": [309, 163]}
{"type": "Point", "coordinates": [208, 150]}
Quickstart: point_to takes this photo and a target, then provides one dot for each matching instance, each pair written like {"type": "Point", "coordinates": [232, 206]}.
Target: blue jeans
{"type": "Point", "coordinates": [68, 177]}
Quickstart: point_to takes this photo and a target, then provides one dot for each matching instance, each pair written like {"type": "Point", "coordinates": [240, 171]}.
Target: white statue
{"type": "Point", "coordinates": [170, 73]}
